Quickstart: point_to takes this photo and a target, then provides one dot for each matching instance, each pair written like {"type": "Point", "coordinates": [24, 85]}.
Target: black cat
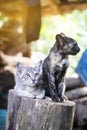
{"type": "Point", "coordinates": [55, 65]}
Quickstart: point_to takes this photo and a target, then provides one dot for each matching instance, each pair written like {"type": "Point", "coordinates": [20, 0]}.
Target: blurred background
{"type": "Point", "coordinates": [27, 33]}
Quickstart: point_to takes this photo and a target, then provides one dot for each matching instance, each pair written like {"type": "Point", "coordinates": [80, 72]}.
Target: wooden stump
{"type": "Point", "coordinates": [38, 114]}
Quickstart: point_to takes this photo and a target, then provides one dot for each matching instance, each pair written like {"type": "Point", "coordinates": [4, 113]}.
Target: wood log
{"type": "Point", "coordinates": [38, 114]}
{"type": "Point", "coordinates": [81, 112]}
{"type": "Point", "coordinates": [76, 93]}
{"type": "Point", "coordinates": [72, 83]}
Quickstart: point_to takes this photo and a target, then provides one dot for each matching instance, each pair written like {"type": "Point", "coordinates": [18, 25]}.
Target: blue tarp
{"type": "Point", "coordinates": [3, 114]}
{"type": "Point", "coordinates": [81, 69]}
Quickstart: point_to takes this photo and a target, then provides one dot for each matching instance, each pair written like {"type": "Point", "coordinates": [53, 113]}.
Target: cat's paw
{"type": "Point", "coordinates": [31, 96]}
{"type": "Point", "coordinates": [55, 99]}
{"type": "Point", "coordinates": [41, 95]}
{"type": "Point", "coordinates": [63, 98]}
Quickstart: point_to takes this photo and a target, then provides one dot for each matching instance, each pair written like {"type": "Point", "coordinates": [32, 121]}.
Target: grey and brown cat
{"type": "Point", "coordinates": [28, 81]}
{"type": "Point", "coordinates": [55, 66]}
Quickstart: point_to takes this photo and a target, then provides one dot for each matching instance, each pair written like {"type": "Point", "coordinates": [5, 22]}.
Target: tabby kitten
{"type": "Point", "coordinates": [28, 81]}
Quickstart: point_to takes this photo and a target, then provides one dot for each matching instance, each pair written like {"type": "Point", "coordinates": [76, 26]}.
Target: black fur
{"type": "Point", "coordinates": [55, 66]}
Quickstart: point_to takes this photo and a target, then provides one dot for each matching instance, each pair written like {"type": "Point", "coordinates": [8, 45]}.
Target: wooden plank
{"type": "Point", "coordinates": [36, 114]}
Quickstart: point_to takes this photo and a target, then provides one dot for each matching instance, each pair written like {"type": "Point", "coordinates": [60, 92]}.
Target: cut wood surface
{"type": "Point", "coordinates": [36, 114]}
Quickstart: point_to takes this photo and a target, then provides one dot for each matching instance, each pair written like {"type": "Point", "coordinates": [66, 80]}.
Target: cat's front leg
{"type": "Point", "coordinates": [52, 86]}
{"type": "Point", "coordinates": [61, 85]}
{"type": "Point", "coordinates": [61, 91]}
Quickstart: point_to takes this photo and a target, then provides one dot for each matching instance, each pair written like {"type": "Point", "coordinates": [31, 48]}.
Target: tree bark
{"type": "Point", "coordinates": [38, 114]}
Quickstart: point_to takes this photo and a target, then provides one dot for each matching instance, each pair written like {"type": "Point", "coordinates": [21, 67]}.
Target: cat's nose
{"type": "Point", "coordinates": [33, 80]}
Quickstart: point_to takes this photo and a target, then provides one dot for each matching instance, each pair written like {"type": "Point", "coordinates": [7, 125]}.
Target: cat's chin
{"type": "Point", "coordinates": [32, 85]}
{"type": "Point", "coordinates": [29, 86]}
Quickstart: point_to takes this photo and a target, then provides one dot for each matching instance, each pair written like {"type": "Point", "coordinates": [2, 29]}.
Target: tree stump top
{"type": "Point", "coordinates": [46, 101]}
{"type": "Point", "coordinates": [38, 114]}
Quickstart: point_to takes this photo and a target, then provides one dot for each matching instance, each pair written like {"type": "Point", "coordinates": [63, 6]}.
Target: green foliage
{"type": "Point", "coordinates": [73, 24]}
{"type": "Point", "coordinates": [3, 19]}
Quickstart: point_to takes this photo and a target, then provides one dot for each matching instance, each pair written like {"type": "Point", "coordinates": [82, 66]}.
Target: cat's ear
{"type": "Point", "coordinates": [38, 67]}
{"type": "Point", "coordinates": [20, 67]}
{"type": "Point", "coordinates": [62, 34]}
{"type": "Point", "coordinates": [60, 38]}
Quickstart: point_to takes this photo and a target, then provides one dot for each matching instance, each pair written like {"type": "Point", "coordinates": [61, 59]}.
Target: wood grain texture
{"type": "Point", "coordinates": [36, 114]}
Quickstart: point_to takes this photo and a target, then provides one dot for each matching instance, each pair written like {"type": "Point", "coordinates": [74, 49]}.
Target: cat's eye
{"type": "Point", "coordinates": [37, 75]}
{"type": "Point", "coordinates": [27, 75]}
